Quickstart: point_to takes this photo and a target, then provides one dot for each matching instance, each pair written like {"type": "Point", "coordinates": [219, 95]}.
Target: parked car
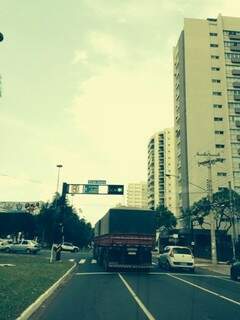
{"type": "Point", "coordinates": [67, 246]}
{"type": "Point", "coordinates": [24, 246]}
{"type": "Point", "coordinates": [235, 270]}
{"type": "Point", "coordinates": [176, 257]}
{"type": "Point", "coordinates": [5, 244]}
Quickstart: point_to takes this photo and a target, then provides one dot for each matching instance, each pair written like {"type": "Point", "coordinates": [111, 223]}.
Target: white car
{"type": "Point", "coordinates": [176, 257]}
{"type": "Point", "coordinates": [5, 244]}
{"type": "Point", "coordinates": [67, 246]}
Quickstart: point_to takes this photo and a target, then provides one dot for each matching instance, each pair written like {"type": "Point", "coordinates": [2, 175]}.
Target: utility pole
{"type": "Point", "coordinates": [233, 220]}
{"type": "Point", "coordinates": [209, 163]}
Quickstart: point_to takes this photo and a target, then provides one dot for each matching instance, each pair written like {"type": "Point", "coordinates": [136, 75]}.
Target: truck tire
{"type": "Point", "coordinates": [233, 275]}
{"type": "Point", "coordinates": [168, 267]}
{"type": "Point", "coordinates": [106, 265]}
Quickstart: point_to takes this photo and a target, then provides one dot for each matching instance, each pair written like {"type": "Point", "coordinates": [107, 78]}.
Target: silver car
{"type": "Point", "coordinates": [25, 246]}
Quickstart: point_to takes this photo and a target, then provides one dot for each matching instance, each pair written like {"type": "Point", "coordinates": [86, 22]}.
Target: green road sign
{"type": "Point", "coordinates": [90, 189]}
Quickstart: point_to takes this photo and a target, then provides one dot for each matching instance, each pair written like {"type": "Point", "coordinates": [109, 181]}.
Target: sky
{"type": "Point", "coordinates": [85, 83]}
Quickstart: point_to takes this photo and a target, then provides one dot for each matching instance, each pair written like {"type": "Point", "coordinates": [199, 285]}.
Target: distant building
{"type": "Point", "coordinates": [33, 207]}
{"type": "Point", "coordinates": [161, 162]}
{"type": "Point", "coordinates": [137, 195]}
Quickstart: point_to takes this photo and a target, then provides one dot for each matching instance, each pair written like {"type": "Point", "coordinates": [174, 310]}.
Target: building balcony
{"type": "Point", "coordinates": [235, 48]}
{"type": "Point", "coordinates": [237, 97]}
{"type": "Point", "coordinates": [236, 84]}
{"type": "Point", "coordinates": [235, 60]}
{"type": "Point", "coordinates": [236, 72]}
{"type": "Point", "coordinates": [234, 36]}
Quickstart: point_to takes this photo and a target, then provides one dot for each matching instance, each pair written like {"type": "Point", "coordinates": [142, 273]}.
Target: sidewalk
{"type": "Point", "coordinates": [206, 264]}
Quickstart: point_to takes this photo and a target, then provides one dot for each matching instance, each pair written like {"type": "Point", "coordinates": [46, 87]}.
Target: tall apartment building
{"type": "Point", "coordinates": [161, 161]}
{"type": "Point", "coordinates": [207, 104]}
{"type": "Point", "coordinates": [137, 195]}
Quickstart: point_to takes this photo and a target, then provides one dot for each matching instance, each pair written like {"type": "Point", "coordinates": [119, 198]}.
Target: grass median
{"type": "Point", "coordinates": [22, 284]}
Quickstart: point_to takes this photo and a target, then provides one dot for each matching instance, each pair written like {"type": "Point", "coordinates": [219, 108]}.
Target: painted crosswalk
{"type": "Point", "coordinates": [82, 261]}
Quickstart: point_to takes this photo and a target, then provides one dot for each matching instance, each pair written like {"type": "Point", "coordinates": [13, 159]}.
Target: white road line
{"type": "Point", "coordinates": [93, 261]}
{"type": "Point", "coordinates": [93, 273]}
{"type": "Point", "coordinates": [190, 275]}
{"type": "Point", "coordinates": [139, 302]}
{"type": "Point", "coordinates": [82, 261]}
{"type": "Point", "coordinates": [204, 289]}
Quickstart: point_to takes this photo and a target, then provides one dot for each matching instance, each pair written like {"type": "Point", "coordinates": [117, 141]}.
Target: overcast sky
{"type": "Point", "coordinates": [85, 83]}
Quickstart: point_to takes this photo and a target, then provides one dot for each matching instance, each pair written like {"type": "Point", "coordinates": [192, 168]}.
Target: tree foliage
{"type": "Point", "coordinates": [165, 218]}
{"type": "Point", "coordinates": [221, 207]}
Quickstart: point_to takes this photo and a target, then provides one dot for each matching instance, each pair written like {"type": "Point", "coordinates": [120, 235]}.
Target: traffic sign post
{"type": "Point", "coordinates": [95, 189]}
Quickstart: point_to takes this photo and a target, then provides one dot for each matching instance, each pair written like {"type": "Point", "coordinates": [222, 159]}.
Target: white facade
{"type": "Point", "coordinates": [137, 195]}
{"type": "Point", "coordinates": [207, 105]}
{"type": "Point", "coordinates": [161, 161]}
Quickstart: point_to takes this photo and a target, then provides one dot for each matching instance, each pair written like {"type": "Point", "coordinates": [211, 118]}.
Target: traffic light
{"type": "Point", "coordinates": [115, 189]}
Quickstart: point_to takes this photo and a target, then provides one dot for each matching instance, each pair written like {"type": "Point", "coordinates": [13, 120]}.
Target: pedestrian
{"type": "Point", "coordinates": [58, 250]}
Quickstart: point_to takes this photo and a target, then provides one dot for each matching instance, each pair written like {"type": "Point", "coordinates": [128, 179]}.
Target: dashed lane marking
{"type": "Point", "coordinates": [204, 289]}
{"type": "Point", "coordinates": [82, 261]}
{"type": "Point", "coordinates": [136, 298]}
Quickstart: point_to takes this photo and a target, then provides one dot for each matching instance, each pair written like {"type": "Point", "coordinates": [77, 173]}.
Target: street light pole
{"type": "Point", "coordinates": [59, 166]}
{"type": "Point", "coordinates": [233, 221]}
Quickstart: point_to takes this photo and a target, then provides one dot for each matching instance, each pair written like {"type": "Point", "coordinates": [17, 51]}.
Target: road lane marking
{"type": "Point", "coordinates": [190, 275]}
{"type": "Point", "coordinates": [93, 273]}
{"type": "Point", "coordinates": [139, 302]}
{"type": "Point", "coordinates": [82, 261]}
{"type": "Point", "coordinates": [93, 261]}
{"type": "Point", "coordinates": [204, 289]}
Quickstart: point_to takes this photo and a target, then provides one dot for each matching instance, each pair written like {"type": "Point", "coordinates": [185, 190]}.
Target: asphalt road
{"type": "Point", "coordinates": [92, 294]}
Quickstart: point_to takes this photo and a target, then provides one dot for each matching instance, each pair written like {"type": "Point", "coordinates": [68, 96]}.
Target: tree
{"type": "Point", "coordinates": [220, 206]}
{"type": "Point", "coordinates": [165, 218]}
{"type": "Point", "coordinates": [58, 212]}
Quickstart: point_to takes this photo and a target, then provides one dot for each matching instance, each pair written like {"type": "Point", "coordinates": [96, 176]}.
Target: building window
{"type": "Point", "coordinates": [217, 93]}
{"type": "Point", "coordinates": [214, 57]}
{"type": "Point", "coordinates": [213, 45]}
{"type": "Point", "coordinates": [219, 106]}
{"type": "Point", "coordinates": [215, 69]}
{"type": "Point", "coordinates": [213, 34]}
{"type": "Point", "coordinates": [219, 146]}
{"type": "Point", "coordinates": [216, 81]}
{"type": "Point", "coordinates": [219, 132]}
{"type": "Point", "coordinates": [218, 119]}
{"type": "Point", "coordinates": [222, 174]}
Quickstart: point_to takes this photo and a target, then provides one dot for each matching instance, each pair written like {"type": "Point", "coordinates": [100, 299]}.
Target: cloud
{"type": "Point", "coordinates": [119, 109]}
{"type": "Point", "coordinates": [80, 56]}
{"type": "Point", "coordinates": [107, 44]}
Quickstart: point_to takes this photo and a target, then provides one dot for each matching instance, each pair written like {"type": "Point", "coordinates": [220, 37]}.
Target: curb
{"type": "Point", "coordinates": [44, 296]}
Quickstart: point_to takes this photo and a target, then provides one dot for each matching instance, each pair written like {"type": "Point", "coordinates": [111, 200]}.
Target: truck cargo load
{"type": "Point", "coordinates": [126, 221]}
{"type": "Point", "coordinates": [124, 237]}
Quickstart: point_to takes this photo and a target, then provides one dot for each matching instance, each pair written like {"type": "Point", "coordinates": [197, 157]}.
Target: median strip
{"type": "Point", "coordinates": [136, 298]}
